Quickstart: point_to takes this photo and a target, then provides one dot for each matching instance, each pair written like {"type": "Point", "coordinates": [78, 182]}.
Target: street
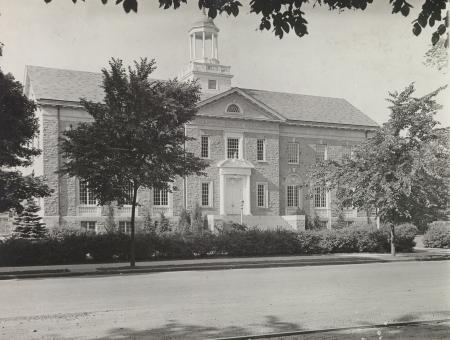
{"type": "Point", "coordinates": [208, 304]}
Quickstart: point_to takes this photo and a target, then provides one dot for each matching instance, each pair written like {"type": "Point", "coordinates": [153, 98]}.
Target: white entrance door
{"type": "Point", "coordinates": [233, 189]}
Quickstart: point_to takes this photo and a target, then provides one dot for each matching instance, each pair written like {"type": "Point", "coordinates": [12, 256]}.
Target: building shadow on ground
{"type": "Point", "coordinates": [177, 330]}
{"type": "Point", "coordinates": [272, 324]}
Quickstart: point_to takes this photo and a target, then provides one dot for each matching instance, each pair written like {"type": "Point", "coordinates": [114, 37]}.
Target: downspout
{"type": "Point", "coordinates": [58, 115]}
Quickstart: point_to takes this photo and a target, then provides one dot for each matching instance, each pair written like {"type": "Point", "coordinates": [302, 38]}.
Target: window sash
{"type": "Point", "coordinates": [204, 147]}
{"type": "Point", "coordinates": [292, 196]}
{"type": "Point", "coordinates": [212, 84]}
{"type": "Point", "coordinates": [261, 195]}
{"type": "Point", "coordinates": [206, 194]}
{"type": "Point", "coordinates": [88, 226]}
{"type": "Point", "coordinates": [232, 147]}
{"type": "Point", "coordinates": [320, 152]}
{"type": "Point", "coordinates": [160, 198]}
{"type": "Point", "coordinates": [293, 153]}
{"type": "Point", "coordinates": [320, 197]}
{"type": "Point", "coordinates": [85, 195]}
{"type": "Point", "coordinates": [124, 227]}
{"type": "Point", "coordinates": [261, 150]}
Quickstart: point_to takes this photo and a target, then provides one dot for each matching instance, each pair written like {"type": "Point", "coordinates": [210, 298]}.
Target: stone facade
{"type": "Point", "coordinates": [247, 117]}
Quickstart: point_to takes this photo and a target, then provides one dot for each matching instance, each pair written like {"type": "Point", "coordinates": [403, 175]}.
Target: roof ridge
{"type": "Point", "coordinates": [293, 93]}
{"type": "Point", "coordinates": [61, 69]}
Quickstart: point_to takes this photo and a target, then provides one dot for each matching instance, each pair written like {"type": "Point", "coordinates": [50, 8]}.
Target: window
{"type": "Point", "coordinates": [88, 226]}
{"type": "Point", "coordinates": [260, 150]}
{"type": "Point", "coordinates": [160, 197]}
{"type": "Point", "coordinates": [86, 195]}
{"type": "Point", "coordinates": [292, 196]}
{"type": "Point", "coordinates": [346, 151]}
{"type": "Point", "coordinates": [232, 147]}
{"type": "Point", "coordinates": [233, 108]}
{"type": "Point", "coordinates": [293, 153]}
{"type": "Point", "coordinates": [261, 195]}
{"type": "Point", "coordinates": [320, 152]}
{"type": "Point", "coordinates": [207, 194]}
{"type": "Point", "coordinates": [212, 84]}
{"type": "Point", "coordinates": [125, 227]}
{"type": "Point", "coordinates": [320, 197]}
{"type": "Point", "coordinates": [205, 147]}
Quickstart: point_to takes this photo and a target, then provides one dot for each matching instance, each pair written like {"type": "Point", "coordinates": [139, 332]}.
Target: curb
{"type": "Point", "coordinates": [327, 330]}
{"type": "Point", "coordinates": [32, 274]}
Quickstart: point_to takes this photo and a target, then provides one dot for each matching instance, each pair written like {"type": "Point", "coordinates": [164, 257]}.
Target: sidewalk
{"type": "Point", "coordinates": [420, 254]}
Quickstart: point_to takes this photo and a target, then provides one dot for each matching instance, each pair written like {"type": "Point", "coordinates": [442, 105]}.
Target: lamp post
{"type": "Point", "coordinates": [242, 212]}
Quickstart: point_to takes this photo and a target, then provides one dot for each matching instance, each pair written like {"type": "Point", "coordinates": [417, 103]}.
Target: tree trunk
{"type": "Point", "coordinates": [392, 240]}
{"type": "Point", "coordinates": [133, 217]}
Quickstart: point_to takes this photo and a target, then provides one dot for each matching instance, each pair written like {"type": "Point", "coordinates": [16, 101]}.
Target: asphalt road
{"type": "Point", "coordinates": [208, 304]}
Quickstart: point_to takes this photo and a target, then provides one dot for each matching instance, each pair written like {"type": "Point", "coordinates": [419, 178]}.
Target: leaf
{"type": "Point", "coordinates": [435, 38]}
{"type": "Point", "coordinates": [441, 29]}
{"type": "Point", "coordinates": [130, 5]}
{"type": "Point", "coordinates": [405, 11]}
{"type": "Point", "coordinates": [416, 29]}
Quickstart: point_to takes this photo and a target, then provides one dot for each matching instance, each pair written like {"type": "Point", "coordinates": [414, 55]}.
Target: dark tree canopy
{"type": "Point", "coordinates": [137, 137]}
{"type": "Point", "coordinates": [18, 127]}
{"type": "Point", "coordinates": [402, 171]}
{"type": "Point", "coordinates": [283, 16]}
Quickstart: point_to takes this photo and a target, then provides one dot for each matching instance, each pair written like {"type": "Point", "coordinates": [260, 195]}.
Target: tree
{"type": "Point", "coordinates": [402, 171]}
{"type": "Point", "coordinates": [28, 223]}
{"type": "Point", "coordinates": [284, 16]}
{"type": "Point", "coordinates": [136, 139]}
{"type": "Point", "coordinates": [18, 127]}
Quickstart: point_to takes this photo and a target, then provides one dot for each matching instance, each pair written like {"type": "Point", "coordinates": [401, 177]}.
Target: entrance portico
{"type": "Point", "coordinates": [234, 181]}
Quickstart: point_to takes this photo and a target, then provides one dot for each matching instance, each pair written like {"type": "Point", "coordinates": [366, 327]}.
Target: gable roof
{"type": "Point", "coordinates": [70, 85]}
{"type": "Point", "coordinates": [300, 107]}
{"type": "Point", "coordinates": [65, 85]}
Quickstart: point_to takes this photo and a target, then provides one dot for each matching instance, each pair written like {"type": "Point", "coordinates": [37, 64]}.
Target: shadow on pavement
{"type": "Point", "coordinates": [175, 330]}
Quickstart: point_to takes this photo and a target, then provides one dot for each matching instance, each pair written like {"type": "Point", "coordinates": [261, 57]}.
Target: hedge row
{"type": "Point", "coordinates": [72, 248]}
{"type": "Point", "coordinates": [437, 235]}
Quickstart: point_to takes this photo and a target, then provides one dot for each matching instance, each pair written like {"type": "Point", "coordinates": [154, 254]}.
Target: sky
{"type": "Point", "coordinates": [359, 56]}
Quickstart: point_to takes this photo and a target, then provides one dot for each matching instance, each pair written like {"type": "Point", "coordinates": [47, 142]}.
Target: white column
{"type": "Point", "coordinates": [190, 47]}
{"type": "Point", "coordinates": [194, 43]}
{"type": "Point", "coordinates": [217, 47]}
{"type": "Point", "coordinates": [221, 193]}
{"type": "Point", "coordinates": [247, 196]}
{"type": "Point", "coordinates": [203, 44]}
{"type": "Point", "coordinates": [212, 46]}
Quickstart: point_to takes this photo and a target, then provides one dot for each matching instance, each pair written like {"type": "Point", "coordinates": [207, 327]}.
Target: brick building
{"type": "Point", "coordinates": [259, 145]}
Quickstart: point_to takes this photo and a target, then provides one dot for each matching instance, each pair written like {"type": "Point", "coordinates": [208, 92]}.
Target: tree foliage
{"type": "Point", "coordinates": [136, 138]}
{"type": "Point", "coordinates": [18, 127]}
{"type": "Point", "coordinates": [284, 16]}
{"type": "Point", "coordinates": [402, 171]}
{"type": "Point", "coordinates": [28, 224]}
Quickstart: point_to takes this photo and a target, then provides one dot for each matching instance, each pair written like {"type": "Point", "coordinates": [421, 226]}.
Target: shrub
{"type": "Point", "coordinates": [70, 247]}
{"type": "Point", "coordinates": [437, 236]}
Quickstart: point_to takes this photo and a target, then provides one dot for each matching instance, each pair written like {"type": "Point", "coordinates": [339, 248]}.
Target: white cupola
{"type": "Point", "coordinates": [204, 65]}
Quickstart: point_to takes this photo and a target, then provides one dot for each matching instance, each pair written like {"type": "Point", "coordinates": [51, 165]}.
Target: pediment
{"type": "Point", "coordinates": [236, 104]}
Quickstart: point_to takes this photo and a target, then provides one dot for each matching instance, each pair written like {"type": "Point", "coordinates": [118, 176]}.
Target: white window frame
{"type": "Point", "coordinates": [210, 194]}
{"type": "Point", "coordinates": [297, 152]}
{"type": "Point", "coordinates": [320, 198]}
{"type": "Point", "coordinates": [240, 138]}
{"type": "Point", "coordinates": [89, 195]}
{"type": "Point", "coordinates": [127, 227]}
{"type": "Point", "coordinates": [216, 82]}
{"type": "Point", "coordinates": [324, 152]}
{"type": "Point", "coordinates": [295, 198]}
{"type": "Point", "coordinates": [201, 147]}
{"type": "Point", "coordinates": [160, 193]}
{"type": "Point", "coordinates": [87, 229]}
{"type": "Point", "coordinates": [266, 195]}
{"type": "Point", "coordinates": [264, 149]}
